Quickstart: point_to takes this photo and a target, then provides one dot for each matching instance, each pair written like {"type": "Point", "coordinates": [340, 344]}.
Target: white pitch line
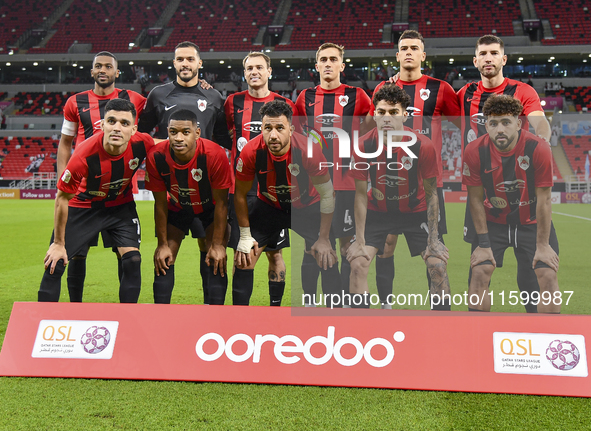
{"type": "Point", "coordinates": [570, 215]}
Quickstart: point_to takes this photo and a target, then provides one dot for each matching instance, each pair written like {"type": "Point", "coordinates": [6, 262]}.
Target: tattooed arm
{"type": "Point", "coordinates": [434, 246]}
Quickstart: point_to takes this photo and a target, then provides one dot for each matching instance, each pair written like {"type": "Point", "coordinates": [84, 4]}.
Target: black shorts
{"type": "Point", "coordinates": [266, 223]}
{"type": "Point", "coordinates": [343, 220]}
{"type": "Point", "coordinates": [523, 240]}
{"type": "Point", "coordinates": [282, 240]}
{"type": "Point", "coordinates": [378, 225]}
{"type": "Point", "coordinates": [84, 224]}
{"type": "Point", "coordinates": [197, 229]}
{"type": "Point", "coordinates": [306, 223]}
{"type": "Point", "coordinates": [185, 220]}
{"type": "Point", "coordinates": [107, 241]}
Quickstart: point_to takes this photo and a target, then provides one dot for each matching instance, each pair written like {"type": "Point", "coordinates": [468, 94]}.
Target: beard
{"type": "Point", "coordinates": [189, 78]}
{"type": "Point", "coordinates": [490, 73]}
{"type": "Point", "coordinates": [104, 84]}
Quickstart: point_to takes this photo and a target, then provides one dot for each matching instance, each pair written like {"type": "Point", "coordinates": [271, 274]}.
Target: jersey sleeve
{"type": "Point", "coordinates": [139, 102]}
{"type": "Point", "coordinates": [301, 104]}
{"type": "Point", "coordinates": [149, 118]}
{"type": "Point", "coordinates": [315, 166]}
{"type": "Point", "coordinates": [76, 170]}
{"type": "Point", "coordinates": [451, 102]}
{"type": "Point", "coordinates": [153, 179]}
{"type": "Point", "coordinates": [220, 130]}
{"type": "Point", "coordinates": [71, 112]}
{"type": "Point", "coordinates": [363, 104]}
{"type": "Point", "coordinates": [544, 175]}
{"type": "Point", "coordinates": [372, 107]}
{"type": "Point", "coordinates": [529, 99]}
{"type": "Point", "coordinates": [246, 163]}
{"type": "Point", "coordinates": [221, 173]}
{"type": "Point", "coordinates": [471, 167]}
{"type": "Point", "coordinates": [428, 159]}
{"type": "Point", "coordinates": [229, 112]}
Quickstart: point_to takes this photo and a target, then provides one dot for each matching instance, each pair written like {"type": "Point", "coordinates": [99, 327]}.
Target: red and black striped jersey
{"type": "Point", "coordinates": [283, 181]}
{"type": "Point", "coordinates": [242, 115]}
{"type": "Point", "coordinates": [190, 185]}
{"type": "Point", "coordinates": [339, 108]}
{"type": "Point", "coordinates": [396, 182]}
{"type": "Point", "coordinates": [99, 179]}
{"type": "Point", "coordinates": [431, 98]}
{"type": "Point", "coordinates": [88, 109]}
{"type": "Point", "coordinates": [509, 178]}
{"type": "Point", "coordinates": [473, 95]}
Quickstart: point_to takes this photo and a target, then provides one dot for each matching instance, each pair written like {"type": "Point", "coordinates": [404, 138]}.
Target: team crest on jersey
{"type": "Point", "coordinates": [424, 93]}
{"type": "Point", "coordinates": [201, 104]}
{"type": "Point", "coordinates": [197, 174]}
{"type": "Point", "coordinates": [241, 143]}
{"type": "Point", "coordinates": [406, 162]}
{"type": "Point", "coordinates": [67, 176]}
{"type": "Point", "coordinates": [466, 171]}
{"type": "Point", "coordinates": [294, 169]}
{"type": "Point", "coordinates": [343, 100]}
{"type": "Point", "coordinates": [239, 165]}
{"type": "Point", "coordinates": [523, 162]}
{"type": "Point", "coordinates": [471, 135]}
{"type": "Point", "coordinates": [134, 163]}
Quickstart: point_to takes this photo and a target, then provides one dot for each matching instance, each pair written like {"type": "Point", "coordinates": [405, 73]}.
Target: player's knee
{"type": "Point", "coordinates": [133, 256]}
{"type": "Point", "coordinates": [482, 273]}
{"type": "Point", "coordinates": [436, 267]}
{"type": "Point", "coordinates": [359, 267]}
{"type": "Point", "coordinates": [547, 279]}
{"type": "Point", "coordinates": [275, 259]}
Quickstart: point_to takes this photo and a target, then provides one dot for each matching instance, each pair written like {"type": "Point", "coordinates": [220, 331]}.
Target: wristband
{"type": "Point", "coordinates": [246, 240]}
{"type": "Point", "coordinates": [483, 240]}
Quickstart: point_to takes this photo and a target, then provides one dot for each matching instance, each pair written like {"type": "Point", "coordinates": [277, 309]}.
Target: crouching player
{"type": "Point", "coordinates": [508, 173]}
{"type": "Point", "coordinates": [402, 199]}
{"type": "Point", "coordinates": [286, 178]}
{"type": "Point", "coordinates": [196, 174]}
{"type": "Point", "coordinates": [94, 195]}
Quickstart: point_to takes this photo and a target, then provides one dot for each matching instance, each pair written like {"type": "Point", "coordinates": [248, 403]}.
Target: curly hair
{"type": "Point", "coordinates": [275, 109]}
{"type": "Point", "coordinates": [392, 94]}
{"type": "Point", "coordinates": [499, 105]}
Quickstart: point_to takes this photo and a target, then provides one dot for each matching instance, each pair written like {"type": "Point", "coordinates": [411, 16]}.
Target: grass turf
{"type": "Point", "coordinates": [29, 403]}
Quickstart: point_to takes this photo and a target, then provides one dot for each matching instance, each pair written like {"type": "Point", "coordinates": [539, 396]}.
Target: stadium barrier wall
{"type": "Point", "coordinates": [10, 194]}
{"type": "Point", "coordinates": [496, 352]}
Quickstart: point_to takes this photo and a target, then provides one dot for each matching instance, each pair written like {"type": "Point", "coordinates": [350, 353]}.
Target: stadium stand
{"type": "Point", "coordinates": [107, 31]}
{"type": "Point", "coordinates": [580, 96]}
{"type": "Point", "coordinates": [570, 20]}
{"type": "Point", "coordinates": [359, 24]}
{"type": "Point", "coordinates": [453, 18]}
{"type": "Point", "coordinates": [16, 18]}
{"type": "Point", "coordinates": [40, 103]}
{"type": "Point", "coordinates": [576, 149]}
{"type": "Point", "coordinates": [219, 27]}
{"type": "Point", "coordinates": [20, 157]}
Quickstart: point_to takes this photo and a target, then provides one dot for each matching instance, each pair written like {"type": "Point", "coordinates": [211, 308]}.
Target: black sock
{"type": "Point", "coordinates": [384, 277]}
{"type": "Point", "coordinates": [242, 284]}
{"type": "Point", "coordinates": [163, 285]}
{"type": "Point", "coordinates": [359, 300]}
{"type": "Point", "coordinates": [76, 276]}
{"type": "Point", "coordinates": [131, 277]}
{"type": "Point", "coordinates": [276, 289]}
{"type": "Point", "coordinates": [474, 309]}
{"type": "Point", "coordinates": [204, 270]}
{"type": "Point", "coordinates": [345, 274]}
{"type": "Point", "coordinates": [331, 285]}
{"type": "Point", "coordinates": [51, 284]}
{"type": "Point", "coordinates": [217, 286]}
{"type": "Point", "coordinates": [119, 269]}
{"type": "Point", "coordinates": [309, 273]}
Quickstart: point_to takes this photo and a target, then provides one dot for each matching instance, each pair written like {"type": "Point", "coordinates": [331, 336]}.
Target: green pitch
{"type": "Point", "coordinates": [30, 404]}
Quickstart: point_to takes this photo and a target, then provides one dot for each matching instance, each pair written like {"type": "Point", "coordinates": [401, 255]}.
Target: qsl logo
{"type": "Point", "coordinates": [563, 355]}
{"type": "Point", "coordinates": [95, 339]}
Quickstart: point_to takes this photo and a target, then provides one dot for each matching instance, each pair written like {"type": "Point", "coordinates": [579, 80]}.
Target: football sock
{"type": "Point", "coordinates": [49, 290]}
{"type": "Point", "coordinates": [276, 289]}
{"type": "Point", "coordinates": [119, 268]}
{"type": "Point", "coordinates": [163, 285]}
{"type": "Point", "coordinates": [384, 277]}
{"type": "Point", "coordinates": [204, 271]}
{"type": "Point", "coordinates": [217, 286]}
{"type": "Point", "coordinates": [331, 285]}
{"type": "Point", "coordinates": [131, 278]}
{"type": "Point", "coordinates": [242, 284]}
{"type": "Point", "coordinates": [309, 272]}
{"type": "Point", "coordinates": [76, 276]}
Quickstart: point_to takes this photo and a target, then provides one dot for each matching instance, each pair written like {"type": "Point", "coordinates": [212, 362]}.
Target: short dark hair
{"type": "Point", "coordinates": [392, 94]}
{"type": "Point", "coordinates": [499, 105]}
{"type": "Point", "coordinates": [121, 105]}
{"type": "Point", "coordinates": [184, 115]}
{"type": "Point", "coordinates": [257, 54]}
{"type": "Point", "coordinates": [275, 109]}
{"type": "Point", "coordinates": [412, 34]}
{"type": "Point", "coordinates": [187, 44]}
{"type": "Point", "coordinates": [489, 39]}
{"type": "Point", "coordinates": [105, 54]}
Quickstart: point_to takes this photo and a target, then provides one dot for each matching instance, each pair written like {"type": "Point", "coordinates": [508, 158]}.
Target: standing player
{"type": "Point", "coordinates": [244, 122]}
{"type": "Point", "coordinates": [83, 113]}
{"type": "Point", "coordinates": [430, 99]}
{"type": "Point", "coordinates": [186, 93]}
{"type": "Point", "coordinates": [196, 174]}
{"type": "Point", "coordinates": [489, 59]}
{"type": "Point", "coordinates": [512, 169]}
{"type": "Point", "coordinates": [287, 179]}
{"type": "Point", "coordinates": [335, 105]}
{"type": "Point", "coordinates": [97, 186]}
{"type": "Point", "coordinates": [402, 199]}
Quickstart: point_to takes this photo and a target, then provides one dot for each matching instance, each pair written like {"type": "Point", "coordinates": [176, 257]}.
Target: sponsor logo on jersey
{"type": "Point", "coordinates": [181, 191]}
{"type": "Point", "coordinates": [478, 119]}
{"type": "Point", "coordinates": [115, 184]}
{"type": "Point", "coordinates": [197, 174]}
{"type": "Point", "coordinates": [510, 186]}
{"type": "Point", "coordinates": [253, 126]}
{"type": "Point", "coordinates": [498, 202]}
{"type": "Point", "coordinates": [328, 119]}
{"type": "Point", "coordinates": [377, 194]}
{"type": "Point", "coordinates": [95, 193]}
{"type": "Point", "coordinates": [414, 112]}
{"type": "Point", "coordinates": [281, 189]}
{"type": "Point", "coordinates": [270, 197]}
{"type": "Point", "coordinates": [392, 180]}
{"type": "Point", "coordinates": [401, 197]}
